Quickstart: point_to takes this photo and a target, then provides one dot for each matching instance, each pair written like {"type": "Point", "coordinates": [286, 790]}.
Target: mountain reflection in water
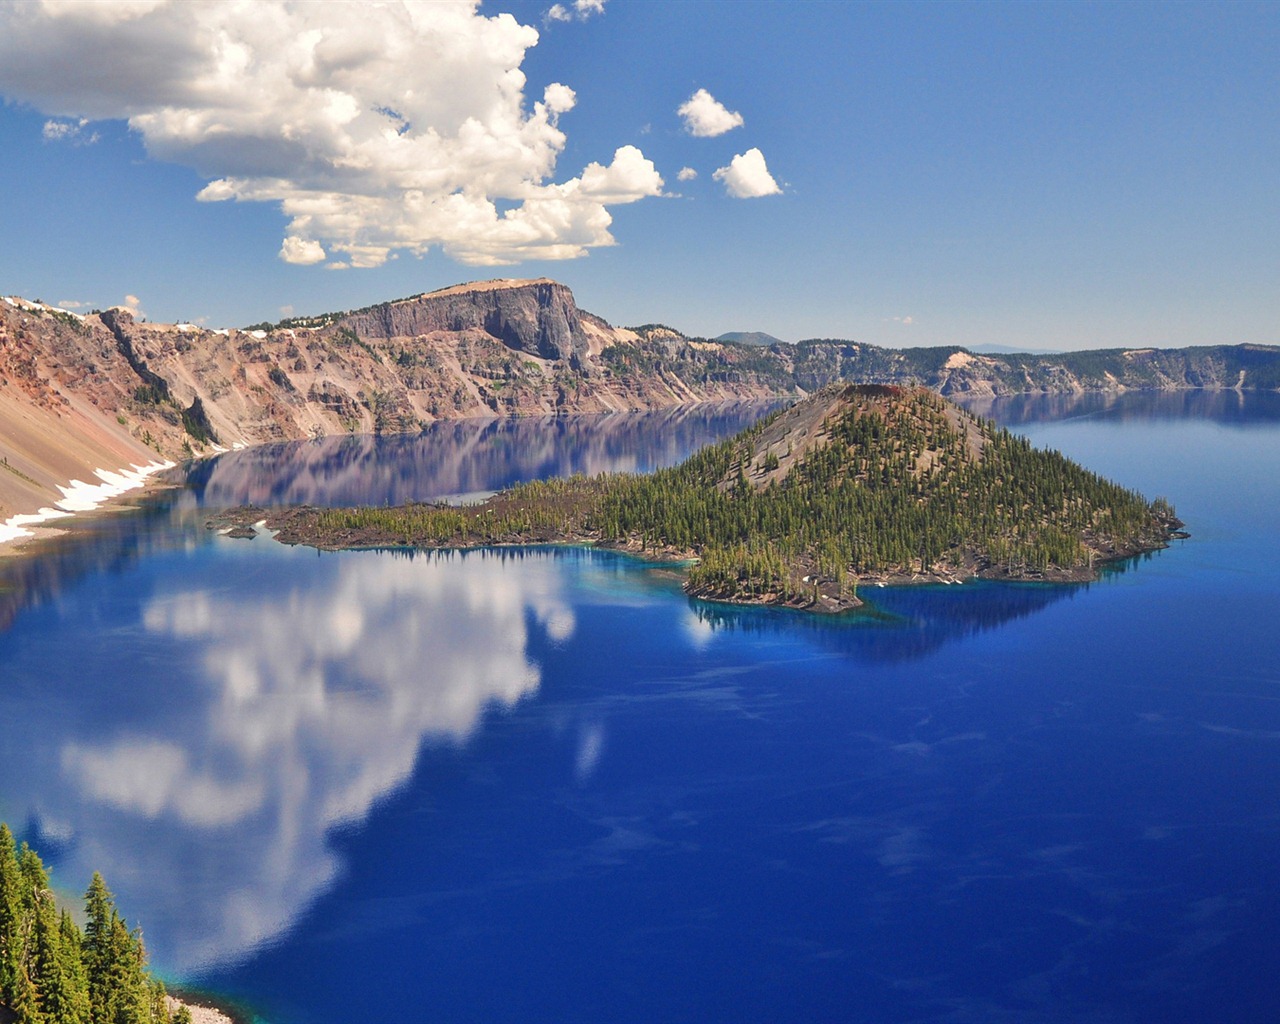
{"type": "Point", "coordinates": [463, 457]}
{"type": "Point", "coordinates": [902, 623]}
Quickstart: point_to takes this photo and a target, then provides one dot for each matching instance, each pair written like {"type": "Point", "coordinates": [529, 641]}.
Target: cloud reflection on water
{"type": "Point", "coordinates": [312, 699]}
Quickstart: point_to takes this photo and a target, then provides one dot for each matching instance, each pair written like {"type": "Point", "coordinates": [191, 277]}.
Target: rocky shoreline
{"type": "Point", "coordinates": [300, 525]}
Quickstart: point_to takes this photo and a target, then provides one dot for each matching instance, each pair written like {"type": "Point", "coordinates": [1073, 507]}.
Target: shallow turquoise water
{"type": "Point", "coordinates": [547, 786]}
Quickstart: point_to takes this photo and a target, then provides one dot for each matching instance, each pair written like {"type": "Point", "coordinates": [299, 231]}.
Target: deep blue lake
{"type": "Point", "coordinates": [547, 786]}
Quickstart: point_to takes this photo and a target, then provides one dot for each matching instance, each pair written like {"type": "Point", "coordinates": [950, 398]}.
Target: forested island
{"type": "Point", "coordinates": [854, 483]}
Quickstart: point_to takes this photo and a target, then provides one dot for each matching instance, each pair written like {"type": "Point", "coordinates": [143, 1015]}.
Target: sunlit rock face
{"type": "Point", "coordinates": [538, 318]}
{"type": "Point", "coordinates": [306, 697]}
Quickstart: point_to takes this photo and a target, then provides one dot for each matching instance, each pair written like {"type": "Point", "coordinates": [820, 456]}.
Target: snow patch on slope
{"type": "Point", "coordinates": [78, 496]}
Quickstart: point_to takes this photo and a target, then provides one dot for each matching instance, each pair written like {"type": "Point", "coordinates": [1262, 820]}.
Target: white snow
{"type": "Point", "coordinates": [18, 302]}
{"type": "Point", "coordinates": [78, 496]}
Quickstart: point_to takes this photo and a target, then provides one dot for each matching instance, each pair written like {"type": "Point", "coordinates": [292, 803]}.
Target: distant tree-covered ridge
{"type": "Point", "coordinates": [52, 972]}
{"type": "Point", "coordinates": [857, 482]}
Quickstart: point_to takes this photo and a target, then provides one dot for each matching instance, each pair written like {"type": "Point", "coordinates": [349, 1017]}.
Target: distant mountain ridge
{"type": "Point", "coordinates": [749, 338]}
{"type": "Point", "coordinates": [1009, 350]}
{"type": "Point", "coordinates": [84, 392]}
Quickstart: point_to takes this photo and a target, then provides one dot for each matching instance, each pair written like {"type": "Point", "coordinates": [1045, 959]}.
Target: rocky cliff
{"type": "Point", "coordinates": [80, 393]}
{"type": "Point", "coordinates": [115, 390]}
{"type": "Point", "coordinates": [538, 318]}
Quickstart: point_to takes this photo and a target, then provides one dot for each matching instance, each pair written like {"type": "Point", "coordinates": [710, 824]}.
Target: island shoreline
{"type": "Point", "coordinates": [295, 526]}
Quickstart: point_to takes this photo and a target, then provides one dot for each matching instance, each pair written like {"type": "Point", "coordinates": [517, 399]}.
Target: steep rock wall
{"type": "Point", "coordinates": [538, 318]}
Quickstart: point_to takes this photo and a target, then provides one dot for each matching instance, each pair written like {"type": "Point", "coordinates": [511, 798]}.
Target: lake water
{"type": "Point", "coordinates": [546, 786]}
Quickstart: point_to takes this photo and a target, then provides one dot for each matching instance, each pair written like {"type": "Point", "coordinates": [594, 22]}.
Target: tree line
{"type": "Point", "coordinates": [54, 972]}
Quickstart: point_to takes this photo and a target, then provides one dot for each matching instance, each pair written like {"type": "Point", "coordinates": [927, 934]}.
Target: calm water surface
{"type": "Point", "coordinates": [547, 786]}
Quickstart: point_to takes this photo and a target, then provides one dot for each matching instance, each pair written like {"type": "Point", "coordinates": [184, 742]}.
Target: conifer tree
{"type": "Point", "coordinates": [99, 952]}
{"type": "Point", "coordinates": [63, 996]}
{"type": "Point", "coordinates": [73, 957]}
{"type": "Point", "coordinates": [49, 972]}
{"type": "Point", "coordinates": [10, 917]}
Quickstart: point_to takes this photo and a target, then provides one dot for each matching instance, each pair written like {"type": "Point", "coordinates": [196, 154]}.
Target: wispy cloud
{"type": "Point", "coordinates": [579, 9]}
{"type": "Point", "coordinates": [331, 111]}
{"type": "Point", "coordinates": [706, 117]}
{"type": "Point", "coordinates": [747, 176]}
{"type": "Point", "coordinates": [72, 132]}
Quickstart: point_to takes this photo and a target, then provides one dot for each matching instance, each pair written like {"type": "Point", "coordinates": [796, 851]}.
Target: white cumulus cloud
{"type": "Point", "coordinates": [302, 251]}
{"type": "Point", "coordinates": [378, 129]}
{"type": "Point", "coordinates": [747, 176]}
{"type": "Point", "coordinates": [630, 174]}
{"type": "Point", "coordinates": [706, 117]}
{"type": "Point", "coordinates": [686, 174]}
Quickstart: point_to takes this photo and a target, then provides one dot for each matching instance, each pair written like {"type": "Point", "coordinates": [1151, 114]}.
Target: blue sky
{"type": "Point", "coordinates": [1037, 175]}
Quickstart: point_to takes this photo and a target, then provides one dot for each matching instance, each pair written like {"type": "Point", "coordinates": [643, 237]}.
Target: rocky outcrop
{"type": "Point", "coordinates": [142, 391]}
{"type": "Point", "coordinates": [538, 318]}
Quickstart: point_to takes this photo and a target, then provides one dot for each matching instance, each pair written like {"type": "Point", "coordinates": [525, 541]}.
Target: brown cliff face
{"type": "Point", "coordinates": [61, 382]}
{"type": "Point", "coordinates": [538, 318]}
{"type": "Point", "coordinates": [145, 390]}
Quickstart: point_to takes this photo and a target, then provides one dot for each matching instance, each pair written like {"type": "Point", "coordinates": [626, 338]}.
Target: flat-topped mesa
{"type": "Point", "coordinates": [538, 317]}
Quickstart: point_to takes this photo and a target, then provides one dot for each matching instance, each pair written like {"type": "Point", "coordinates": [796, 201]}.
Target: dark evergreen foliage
{"type": "Point", "coordinates": [51, 973]}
